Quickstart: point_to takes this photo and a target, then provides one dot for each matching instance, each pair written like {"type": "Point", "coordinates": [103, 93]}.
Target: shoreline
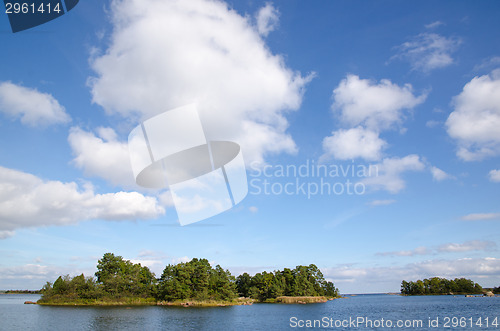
{"type": "Point", "coordinates": [188, 302]}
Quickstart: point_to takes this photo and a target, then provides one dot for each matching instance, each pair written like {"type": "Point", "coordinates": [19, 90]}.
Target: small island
{"type": "Point", "coordinates": [21, 292]}
{"type": "Point", "coordinates": [194, 283]}
{"type": "Point", "coordinates": [440, 286]}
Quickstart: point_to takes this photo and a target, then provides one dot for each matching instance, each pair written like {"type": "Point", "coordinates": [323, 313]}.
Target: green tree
{"type": "Point", "coordinates": [243, 284]}
{"type": "Point", "coordinates": [61, 285]}
{"type": "Point", "coordinates": [121, 277]}
{"type": "Point", "coordinates": [196, 279]}
{"type": "Point", "coordinates": [290, 281]}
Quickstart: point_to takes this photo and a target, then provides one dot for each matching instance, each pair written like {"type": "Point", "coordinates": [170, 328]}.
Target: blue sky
{"type": "Point", "coordinates": [411, 89]}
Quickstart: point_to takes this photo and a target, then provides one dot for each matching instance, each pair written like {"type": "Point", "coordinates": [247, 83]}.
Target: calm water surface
{"type": "Point", "coordinates": [368, 310]}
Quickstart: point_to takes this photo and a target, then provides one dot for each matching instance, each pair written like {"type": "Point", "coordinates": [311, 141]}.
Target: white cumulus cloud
{"type": "Point", "coordinates": [475, 120]}
{"type": "Point", "coordinates": [33, 107]}
{"type": "Point", "coordinates": [165, 54]}
{"type": "Point", "coordinates": [377, 106]}
{"type": "Point", "coordinates": [365, 108]}
{"type": "Point", "coordinates": [28, 201]}
{"type": "Point", "coordinates": [102, 155]}
{"type": "Point", "coordinates": [353, 143]}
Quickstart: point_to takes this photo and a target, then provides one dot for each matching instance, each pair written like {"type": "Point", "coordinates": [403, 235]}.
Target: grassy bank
{"type": "Point", "coordinates": [208, 303]}
{"type": "Point", "coordinates": [126, 301]}
{"type": "Point", "coordinates": [301, 300]}
{"type": "Point", "coordinates": [130, 301]}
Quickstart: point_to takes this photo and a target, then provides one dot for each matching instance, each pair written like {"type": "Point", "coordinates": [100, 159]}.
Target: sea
{"type": "Point", "coordinates": [354, 312]}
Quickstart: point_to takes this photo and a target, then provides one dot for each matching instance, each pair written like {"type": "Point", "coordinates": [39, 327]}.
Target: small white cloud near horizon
{"type": "Point", "coordinates": [417, 251]}
{"type": "Point", "coordinates": [428, 51]}
{"type": "Point", "coordinates": [481, 217]}
{"type": "Point", "coordinates": [494, 175]}
{"type": "Point", "coordinates": [34, 108]}
{"type": "Point", "coordinates": [267, 19]}
{"type": "Point", "coordinates": [182, 259]}
{"type": "Point", "coordinates": [468, 246]}
{"type": "Point", "coordinates": [253, 209]}
{"type": "Point", "coordinates": [382, 202]}
{"type": "Point", "coordinates": [475, 119]}
{"type": "Point", "coordinates": [389, 277]}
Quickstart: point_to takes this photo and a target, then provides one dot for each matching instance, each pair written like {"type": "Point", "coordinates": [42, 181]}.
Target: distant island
{"type": "Point", "coordinates": [194, 283]}
{"type": "Point", "coordinates": [440, 286]}
{"type": "Point", "coordinates": [20, 291]}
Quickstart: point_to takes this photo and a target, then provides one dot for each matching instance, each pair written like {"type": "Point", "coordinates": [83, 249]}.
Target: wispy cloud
{"type": "Point", "coordinates": [432, 123]}
{"type": "Point", "coordinates": [494, 175]}
{"type": "Point", "coordinates": [267, 19]}
{"type": "Point", "coordinates": [440, 175]}
{"type": "Point", "coordinates": [381, 202]}
{"type": "Point", "coordinates": [489, 63]}
{"type": "Point", "coordinates": [473, 245]}
{"type": "Point", "coordinates": [468, 246]}
{"type": "Point", "coordinates": [428, 51]}
{"type": "Point", "coordinates": [434, 25]}
{"type": "Point", "coordinates": [390, 172]}
{"type": "Point", "coordinates": [417, 251]}
{"type": "Point", "coordinates": [253, 209]}
{"type": "Point", "coordinates": [481, 217]}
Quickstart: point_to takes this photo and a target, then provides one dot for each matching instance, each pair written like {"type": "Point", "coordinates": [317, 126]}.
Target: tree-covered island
{"type": "Point", "coordinates": [121, 282]}
{"type": "Point", "coordinates": [439, 286]}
